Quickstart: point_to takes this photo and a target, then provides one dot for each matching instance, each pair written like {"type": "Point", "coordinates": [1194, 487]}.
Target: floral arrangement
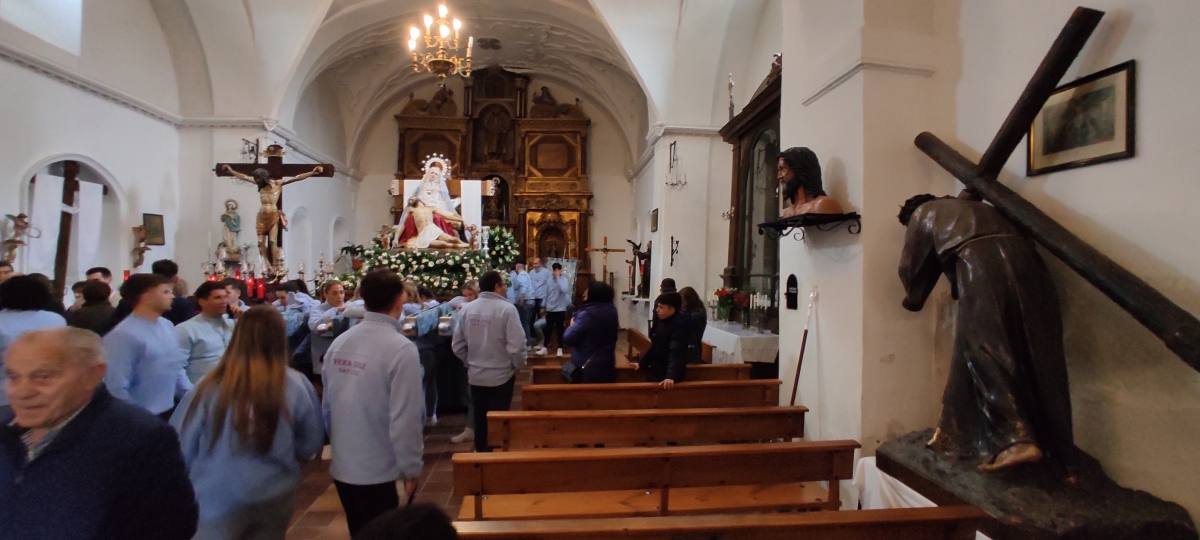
{"type": "Point", "coordinates": [441, 271]}
{"type": "Point", "coordinates": [741, 299]}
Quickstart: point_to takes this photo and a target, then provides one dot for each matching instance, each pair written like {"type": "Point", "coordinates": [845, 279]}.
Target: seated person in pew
{"type": "Point", "coordinates": [666, 361]}
{"type": "Point", "coordinates": [695, 318]}
{"type": "Point", "coordinates": [592, 335]}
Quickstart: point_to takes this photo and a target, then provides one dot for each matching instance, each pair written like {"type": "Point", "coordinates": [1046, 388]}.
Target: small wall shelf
{"type": "Point", "coordinates": [796, 225]}
{"type": "Point", "coordinates": [634, 299]}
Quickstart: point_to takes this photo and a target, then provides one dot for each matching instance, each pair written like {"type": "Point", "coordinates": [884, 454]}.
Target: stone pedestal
{"type": "Point", "coordinates": [1035, 501]}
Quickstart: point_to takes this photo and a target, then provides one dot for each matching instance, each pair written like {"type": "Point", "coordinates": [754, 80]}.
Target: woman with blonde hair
{"type": "Point", "coordinates": [245, 429]}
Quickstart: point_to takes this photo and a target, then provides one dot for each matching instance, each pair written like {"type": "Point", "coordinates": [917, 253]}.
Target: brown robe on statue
{"type": "Point", "coordinates": [1008, 378]}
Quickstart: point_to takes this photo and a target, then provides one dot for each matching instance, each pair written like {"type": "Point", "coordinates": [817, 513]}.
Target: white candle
{"type": "Point", "coordinates": [470, 45]}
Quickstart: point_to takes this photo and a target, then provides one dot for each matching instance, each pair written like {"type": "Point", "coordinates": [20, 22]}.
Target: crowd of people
{"type": "Point", "coordinates": [245, 395]}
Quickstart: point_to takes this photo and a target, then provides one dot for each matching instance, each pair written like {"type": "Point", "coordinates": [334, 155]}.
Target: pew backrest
{"type": "Point", "coordinates": [523, 430]}
{"type": "Point", "coordinates": [548, 373]}
{"type": "Point", "coordinates": [700, 394]}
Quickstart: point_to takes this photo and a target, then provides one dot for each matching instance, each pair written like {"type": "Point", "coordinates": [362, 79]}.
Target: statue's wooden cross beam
{"type": "Point", "coordinates": [605, 250]}
{"type": "Point", "coordinates": [1178, 329]}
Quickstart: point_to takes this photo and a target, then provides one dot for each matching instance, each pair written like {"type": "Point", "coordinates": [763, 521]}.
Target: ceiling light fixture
{"type": "Point", "coordinates": [436, 50]}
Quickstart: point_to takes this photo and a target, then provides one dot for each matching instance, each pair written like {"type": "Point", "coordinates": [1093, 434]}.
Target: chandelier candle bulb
{"type": "Point", "coordinates": [442, 11]}
{"type": "Point", "coordinates": [470, 45]}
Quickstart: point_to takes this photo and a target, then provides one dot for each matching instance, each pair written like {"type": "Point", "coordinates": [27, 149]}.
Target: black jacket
{"type": "Point", "coordinates": [115, 471]}
{"type": "Point", "coordinates": [94, 317]}
{"type": "Point", "coordinates": [696, 321]}
{"type": "Point", "coordinates": [667, 357]}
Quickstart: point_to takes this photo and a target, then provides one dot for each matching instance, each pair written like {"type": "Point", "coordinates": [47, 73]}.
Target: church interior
{"type": "Point", "coordinates": [758, 152]}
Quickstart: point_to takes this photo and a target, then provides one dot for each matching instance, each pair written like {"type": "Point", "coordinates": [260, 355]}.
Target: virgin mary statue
{"type": "Point", "coordinates": [432, 193]}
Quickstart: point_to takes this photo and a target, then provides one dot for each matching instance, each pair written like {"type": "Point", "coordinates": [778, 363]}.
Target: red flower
{"type": "Point", "coordinates": [741, 299]}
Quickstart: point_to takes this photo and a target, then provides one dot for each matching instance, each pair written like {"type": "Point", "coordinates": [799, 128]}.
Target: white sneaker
{"type": "Point", "coordinates": [559, 352]}
{"type": "Point", "coordinates": [467, 435]}
{"type": "Point", "coordinates": [540, 351]}
{"type": "Point", "coordinates": [431, 421]}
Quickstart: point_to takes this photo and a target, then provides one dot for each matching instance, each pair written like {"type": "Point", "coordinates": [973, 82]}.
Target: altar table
{"type": "Point", "coordinates": [734, 344]}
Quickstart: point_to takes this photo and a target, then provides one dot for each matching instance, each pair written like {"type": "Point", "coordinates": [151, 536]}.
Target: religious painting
{"type": "Point", "coordinates": [1087, 121]}
{"type": "Point", "coordinates": [654, 220]}
{"type": "Point", "coordinates": [494, 135]}
{"type": "Point", "coordinates": [156, 234]}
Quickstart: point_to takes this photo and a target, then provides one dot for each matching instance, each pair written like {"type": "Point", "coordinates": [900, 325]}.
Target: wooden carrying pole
{"type": "Point", "coordinates": [1177, 328]}
{"type": "Point", "coordinates": [812, 299]}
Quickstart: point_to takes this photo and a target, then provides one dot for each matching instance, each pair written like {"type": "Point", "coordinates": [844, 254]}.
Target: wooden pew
{"type": "Point", "coordinates": [752, 393]}
{"type": "Point", "coordinates": [523, 430]}
{"type": "Point", "coordinates": [638, 344]}
{"type": "Point", "coordinates": [543, 360]}
{"type": "Point", "coordinates": [937, 523]}
{"type": "Point", "coordinates": [552, 374]}
{"type": "Point", "coordinates": [609, 482]}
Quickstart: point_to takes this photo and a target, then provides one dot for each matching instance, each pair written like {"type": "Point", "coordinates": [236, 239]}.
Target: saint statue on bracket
{"type": "Point", "coordinates": [799, 175]}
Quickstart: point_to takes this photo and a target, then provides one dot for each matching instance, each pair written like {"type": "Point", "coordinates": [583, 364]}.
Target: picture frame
{"type": "Point", "coordinates": [654, 220]}
{"type": "Point", "coordinates": [156, 234]}
{"type": "Point", "coordinates": [1087, 121]}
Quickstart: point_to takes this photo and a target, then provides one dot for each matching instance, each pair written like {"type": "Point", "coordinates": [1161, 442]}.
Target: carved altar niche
{"type": "Point", "coordinates": [421, 136]}
{"type": "Point", "coordinates": [555, 156]}
{"type": "Point", "coordinates": [554, 233]}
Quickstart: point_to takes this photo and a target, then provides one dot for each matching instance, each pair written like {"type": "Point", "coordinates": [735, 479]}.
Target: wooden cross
{"type": "Point", "coordinates": [62, 252]}
{"type": "Point", "coordinates": [605, 250]}
{"type": "Point", "coordinates": [1178, 329]}
{"type": "Point", "coordinates": [277, 170]}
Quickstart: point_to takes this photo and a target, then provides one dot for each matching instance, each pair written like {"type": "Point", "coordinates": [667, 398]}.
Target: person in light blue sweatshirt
{"type": "Point", "coordinates": [539, 287]}
{"type": "Point", "coordinates": [520, 293]}
{"type": "Point", "coordinates": [490, 342]}
{"type": "Point", "coordinates": [22, 309]}
{"type": "Point", "coordinates": [374, 406]}
{"type": "Point", "coordinates": [203, 338]}
{"type": "Point", "coordinates": [558, 301]}
{"type": "Point", "coordinates": [326, 321]}
{"type": "Point", "coordinates": [245, 430]}
{"type": "Point", "coordinates": [145, 365]}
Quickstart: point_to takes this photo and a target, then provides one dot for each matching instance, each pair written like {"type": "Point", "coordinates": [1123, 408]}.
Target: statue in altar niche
{"type": "Point", "coordinates": [799, 175]}
{"type": "Point", "coordinates": [270, 219]}
{"type": "Point", "coordinates": [1006, 398]}
{"type": "Point", "coordinates": [429, 219]}
{"type": "Point", "coordinates": [231, 227]}
{"type": "Point", "coordinates": [545, 105]}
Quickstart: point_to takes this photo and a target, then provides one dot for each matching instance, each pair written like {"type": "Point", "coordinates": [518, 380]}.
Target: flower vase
{"type": "Point", "coordinates": [722, 312]}
{"type": "Point", "coordinates": [746, 318]}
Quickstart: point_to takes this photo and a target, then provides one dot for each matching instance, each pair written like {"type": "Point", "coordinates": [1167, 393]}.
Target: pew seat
{"type": "Point", "coordinates": [608, 482]}
{"type": "Point", "coordinates": [937, 523]}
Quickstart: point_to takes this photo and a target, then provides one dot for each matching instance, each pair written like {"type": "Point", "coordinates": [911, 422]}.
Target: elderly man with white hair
{"type": "Point", "coordinates": [76, 462]}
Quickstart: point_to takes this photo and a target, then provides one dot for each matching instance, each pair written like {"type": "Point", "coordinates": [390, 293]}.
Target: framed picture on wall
{"type": "Point", "coordinates": [156, 235]}
{"type": "Point", "coordinates": [1086, 121]}
{"type": "Point", "coordinates": [654, 220]}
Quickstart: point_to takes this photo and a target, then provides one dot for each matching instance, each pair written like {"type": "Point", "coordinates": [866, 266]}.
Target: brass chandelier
{"type": "Point", "coordinates": [440, 54]}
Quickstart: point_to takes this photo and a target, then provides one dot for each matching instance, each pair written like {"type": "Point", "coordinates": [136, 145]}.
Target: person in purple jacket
{"type": "Point", "coordinates": [592, 335]}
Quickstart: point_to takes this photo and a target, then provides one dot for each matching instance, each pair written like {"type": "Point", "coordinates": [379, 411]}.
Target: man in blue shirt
{"type": "Point", "coordinates": [558, 300]}
{"type": "Point", "coordinates": [22, 308]}
{"type": "Point", "coordinates": [374, 406]}
{"type": "Point", "coordinates": [539, 286]}
{"type": "Point", "coordinates": [145, 365]}
{"type": "Point", "coordinates": [489, 341]}
{"type": "Point", "coordinates": [203, 338]}
{"type": "Point", "coordinates": [519, 293]}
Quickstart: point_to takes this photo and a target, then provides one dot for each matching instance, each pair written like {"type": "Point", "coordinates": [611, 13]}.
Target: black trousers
{"type": "Point", "coordinates": [554, 327]}
{"type": "Point", "coordinates": [484, 399]}
{"type": "Point", "coordinates": [365, 503]}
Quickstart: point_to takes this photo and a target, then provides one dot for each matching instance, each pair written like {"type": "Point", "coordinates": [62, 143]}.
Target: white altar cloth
{"type": "Point", "coordinates": [878, 490]}
{"type": "Point", "coordinates": [733, 344]}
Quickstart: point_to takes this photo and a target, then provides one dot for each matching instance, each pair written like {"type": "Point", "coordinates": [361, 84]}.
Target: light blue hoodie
{"type": "Point", "coordinates": [227, 474]}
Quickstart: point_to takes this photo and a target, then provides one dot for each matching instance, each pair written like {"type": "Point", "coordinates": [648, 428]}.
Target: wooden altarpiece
{"type": "Point", "coordinates": [532, 147]}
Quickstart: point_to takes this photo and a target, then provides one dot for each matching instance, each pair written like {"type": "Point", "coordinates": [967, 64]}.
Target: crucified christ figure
{"type": "Point", "coordinates": [270, 219]}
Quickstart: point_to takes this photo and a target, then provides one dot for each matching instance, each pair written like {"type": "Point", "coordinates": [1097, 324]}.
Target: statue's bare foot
{"type": "Point", "coordinates": [1014, 455]}
{"type": "Point", "coordinates": [938, 441]}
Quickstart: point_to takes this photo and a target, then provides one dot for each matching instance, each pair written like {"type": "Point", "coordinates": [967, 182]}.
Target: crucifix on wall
{"type": "Point", "coordinates": [605, 250]}
{"type": "Point", "coordinates": [270, 222]}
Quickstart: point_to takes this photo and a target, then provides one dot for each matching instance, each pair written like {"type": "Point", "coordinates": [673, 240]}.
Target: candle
{"type": "Point", "coordinates": [125, 275]}
{"type": "Point", "coordinates": [262, 291]}
{"type": "Point", "coordinates": [470, 45]}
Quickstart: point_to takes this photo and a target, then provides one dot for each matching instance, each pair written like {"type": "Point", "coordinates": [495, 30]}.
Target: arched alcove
{"type": "Point", "coordinates": [297, 242]}
{"type": "Point", "coordinates": [103, 239]}
{"type": "Point", "coordinates": [339, 236]}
